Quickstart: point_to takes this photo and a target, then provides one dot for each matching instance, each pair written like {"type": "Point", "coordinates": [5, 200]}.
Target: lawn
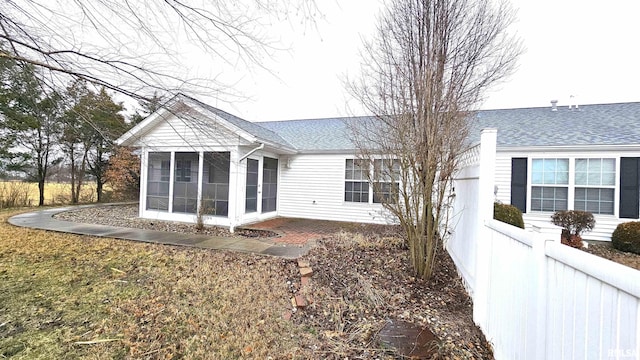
{"type": "Point", "coordinates": [67, 296]}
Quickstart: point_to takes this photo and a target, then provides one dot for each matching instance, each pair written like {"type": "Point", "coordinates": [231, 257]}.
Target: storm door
{"type": "Point", "coordinates": [269, 184]}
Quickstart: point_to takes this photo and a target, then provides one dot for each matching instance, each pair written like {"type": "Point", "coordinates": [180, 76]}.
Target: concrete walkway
{"type": "Point", "coordinates": [43, 219]}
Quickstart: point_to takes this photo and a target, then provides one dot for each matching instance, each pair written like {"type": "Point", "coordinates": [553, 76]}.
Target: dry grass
{"type": "Point", "coordinates": [54, 193]}
{"type": "Point", "coordinates": [67, 296]}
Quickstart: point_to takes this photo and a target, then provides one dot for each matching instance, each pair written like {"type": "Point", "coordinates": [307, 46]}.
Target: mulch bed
{"type": "Point", "coordinates": [606, 251]}
{"type": "Point", "coordinates": [361, 283]}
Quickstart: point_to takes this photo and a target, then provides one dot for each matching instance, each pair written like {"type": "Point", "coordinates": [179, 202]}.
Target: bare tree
{"type": "Point", "coordinates": [425, 72]}
{"type": "Point", "coordinates": [138, 47]}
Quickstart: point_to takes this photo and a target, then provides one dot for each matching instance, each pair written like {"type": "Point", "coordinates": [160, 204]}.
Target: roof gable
{"type": "Point", "coordinates": [182, 104]}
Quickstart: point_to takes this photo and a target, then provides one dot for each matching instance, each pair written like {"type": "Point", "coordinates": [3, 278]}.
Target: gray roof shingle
{"type": "Point", "coordinates": [602, 124]}
{"type": "Point", "coordinates": [316, 134]}
{"type": "Point", "coordinates": [252, 128]}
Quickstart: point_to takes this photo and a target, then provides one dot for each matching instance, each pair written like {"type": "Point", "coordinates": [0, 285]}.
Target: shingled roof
{"type": "Point", "coordinates": [602, 124]}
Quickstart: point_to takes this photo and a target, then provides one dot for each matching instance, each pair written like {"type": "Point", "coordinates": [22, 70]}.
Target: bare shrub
{"type": "Point", "coordinates": [14, 194]}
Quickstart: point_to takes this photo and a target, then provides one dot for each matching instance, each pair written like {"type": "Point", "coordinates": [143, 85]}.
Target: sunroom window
{"type": "Point", "coordinates": [550, 184]}
{"type": "Point", "coordinates": [595, 185]}
{"type": "Point", "coordinates": [158, 171]}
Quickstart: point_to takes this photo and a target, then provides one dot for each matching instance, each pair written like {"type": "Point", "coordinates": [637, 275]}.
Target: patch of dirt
{"type": "Point", "coordinates": [362, 282]}
{"type": "Point", "coordinates": [608, 252]}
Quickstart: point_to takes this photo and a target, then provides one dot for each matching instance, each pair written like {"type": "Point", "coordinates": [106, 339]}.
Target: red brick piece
{"type": "Point", "coordinates": [287, 315]}
{"type": "Point", "coordinates": [306, 272]}
{"type": "Point", "coordinates": [300, 301]}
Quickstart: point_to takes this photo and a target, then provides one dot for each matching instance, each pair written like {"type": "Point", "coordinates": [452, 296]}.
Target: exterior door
{"type": "Point", "coordinates": [269, 184]}
{"type": "Point", "coordinates": [251, 198]}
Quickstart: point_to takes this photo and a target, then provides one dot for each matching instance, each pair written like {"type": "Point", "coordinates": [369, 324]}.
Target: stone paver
{"type": "Point", "coordinates": [299, 231]}
{"type": "Point", "coordinates": [43, 219]}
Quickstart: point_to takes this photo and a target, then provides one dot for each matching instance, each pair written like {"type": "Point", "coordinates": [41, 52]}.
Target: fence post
{"type": "Point", "coordinates": [486, 180]}
{"type": "Point", "coordinates": [540, 302]}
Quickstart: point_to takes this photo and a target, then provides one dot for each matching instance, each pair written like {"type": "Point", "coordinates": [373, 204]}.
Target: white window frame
{"type": "Point", "coordinates": [371, 173]}
{"type": "Point", "coordinates": [600, 186]}
{"type": "Point", "coordinates": [550, 185]}
{"type": "Point", "coordinates": [571, 186]}
{"type": "Point", "coordinates": [359, 181]}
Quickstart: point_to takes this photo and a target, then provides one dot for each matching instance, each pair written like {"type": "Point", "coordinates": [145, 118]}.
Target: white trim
{"type": "Point", "coordinates": [172, 176]}
{"type": "Point", "coordinates": [568, 148]}
{"type": "Point", "coordinates": [571, 185]}
{"type": "Point", "coordinates": [200, 181]}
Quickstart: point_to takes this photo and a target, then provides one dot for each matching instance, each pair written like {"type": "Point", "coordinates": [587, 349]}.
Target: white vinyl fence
{"type": "Point", "coordinates": [535, 298]}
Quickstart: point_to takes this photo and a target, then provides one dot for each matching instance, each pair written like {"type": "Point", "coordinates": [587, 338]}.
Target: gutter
{"type": "Point", "coordinates": [259, 147]}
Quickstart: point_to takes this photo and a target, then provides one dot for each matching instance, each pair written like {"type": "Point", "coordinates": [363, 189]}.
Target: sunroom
{"type": "Point", "coordinates": [198, 164]}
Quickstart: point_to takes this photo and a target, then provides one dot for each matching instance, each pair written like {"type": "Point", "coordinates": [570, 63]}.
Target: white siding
{"type": "Point", "coordinates": [605, 224]}
{"type": "Point", "coordinates": [191, 132]}
{"type": "Point", "coordinates": [312, 187]}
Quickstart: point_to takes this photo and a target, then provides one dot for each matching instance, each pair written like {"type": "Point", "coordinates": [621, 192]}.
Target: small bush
{"type": "Point", "coordinates": [508, 214]}
{"type": "Point", "coordinates": [574, 222]}
{"type": "Point", "coordinates": [626, 237]}
{"type": "Point", "coordinates": [14, 194]}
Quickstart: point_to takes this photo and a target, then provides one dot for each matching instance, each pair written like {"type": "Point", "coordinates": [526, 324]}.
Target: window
{"type": "Point", "coordinates": [356, 187]}
{"type": "Point", "coordinates": [185, 185]}
{"type": "Point", "coordinates": [215, 184]}
{"type": "Point", "coordinates": [387, 175]}
{"type": "Point", "coordinates": [586, 184]}
{"type": "Point", "coordinates": [269, 184]}
{"type": "Point", "coordinates": [251, 201]}
{"type": "Point", "coordinates": [595, 185]}
{"type": "Point", "coordinates": [550, 184]}
{"type": "Point", "coordinates": [158, 172]}
{"type": "Point", "coordinates": [183, 170]}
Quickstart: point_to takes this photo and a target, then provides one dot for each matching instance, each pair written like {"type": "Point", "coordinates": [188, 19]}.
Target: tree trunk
{"type": "Point", "coordinates": [41, 191]}
{"type": "Point", "coordinates": [74, 197]}
{"type": "Point", "coordinates": [99, 185]}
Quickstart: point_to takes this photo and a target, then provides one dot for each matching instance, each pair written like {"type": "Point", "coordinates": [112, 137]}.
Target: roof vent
{"type": "Point", "coordinates": [554, 105]}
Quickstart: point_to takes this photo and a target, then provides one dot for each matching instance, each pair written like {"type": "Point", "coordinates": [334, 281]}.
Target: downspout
{"type": "Point", "coordinates": [260, 147]}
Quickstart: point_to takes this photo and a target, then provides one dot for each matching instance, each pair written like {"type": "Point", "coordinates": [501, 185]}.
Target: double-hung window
{"type": "Point", "coordinates": [387, 177]}
{"type": "Point", "coordinates": [356, 185]}
{"type": "Point", "coordinates": [549, 184]}
{"type": "Point", "coordinates": [595, 181]}
{"type": "Point", "coordinates": [586, 184]}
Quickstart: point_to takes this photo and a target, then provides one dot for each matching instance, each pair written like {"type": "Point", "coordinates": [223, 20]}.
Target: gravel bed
{"type": "Point", "coordinates": [127, 216]}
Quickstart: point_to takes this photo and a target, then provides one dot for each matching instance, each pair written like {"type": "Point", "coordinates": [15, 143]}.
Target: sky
{"type": "Point", "coordinates": [576, 51]}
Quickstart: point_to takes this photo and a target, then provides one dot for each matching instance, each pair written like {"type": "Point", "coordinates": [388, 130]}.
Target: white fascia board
{"type": "Point", "coordinates": [566, 148]}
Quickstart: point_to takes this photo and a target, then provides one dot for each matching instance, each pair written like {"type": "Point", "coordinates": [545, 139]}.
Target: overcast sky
{"type": "Point", "coordinates": [588, 49]}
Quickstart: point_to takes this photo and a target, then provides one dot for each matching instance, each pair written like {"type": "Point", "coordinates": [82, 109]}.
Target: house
{"type": "Point", "coordinates": [241, 172]}
{"type": "Point", "coordinates": [570, 157]}
{"type": "Point", "coordinates": [247, 172]}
